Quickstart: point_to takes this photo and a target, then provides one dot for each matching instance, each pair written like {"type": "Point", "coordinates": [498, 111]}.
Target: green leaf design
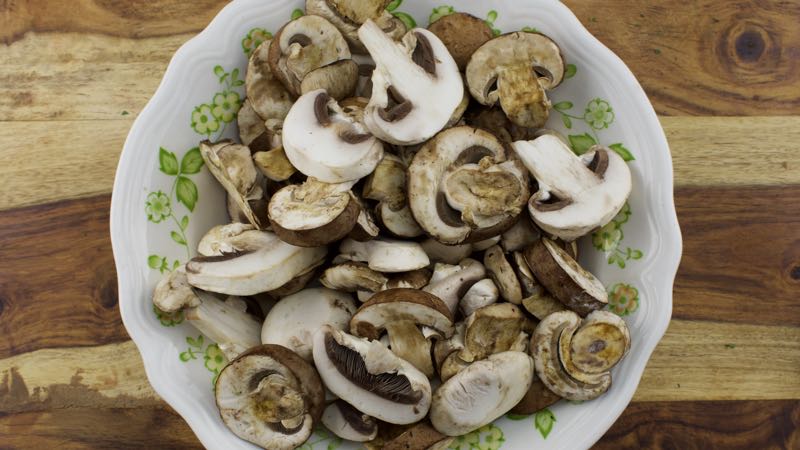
{"type": "Point", "coordinates": [571, 71]}
{"type": "Point", "coordinates": [491, 16]}
{"type": "Point", "coordinates": [167, 161]}
{"type": "Point", "coordinates": [406, 19]}
{"type": "Point", "coordinates": [184, 223]}
{"type": "Point", "coordinates": [636, 254]}
{"type": "Point", "coordinates": [238, 83]}
{"type": "Point", "coordinates": [192, 162]}
{"type": "Point", "coordinates": [394, 4]}
{"type": "Point", "coordinates": [235, 74]}
{"type": "Point", "coordinates": [563, 106]}
{"type": "Point", "coordinates": [186, 191]}
{"type": "Point", "coordinates": [544, 421]}
{"type": "Point", "coordinates": [186, 356]}
{"type": "Point", "coordinates": [439, 12]}
{"type": "Point", "coordinates": [581, 142]}
{"type": "Point", "coordinates": [530, 30]}
{"type": "Point", "coordinates": [176, 264]}
{"type": "Point", "coordinates": [218, 70]}
{"type": "Point", "coordinates": [297, 13]}
{"type": "Point", "coordinates": [154, 261]}
{"type": "Point", "coordinates": [177, 237]}
{"type": "Point", "coordinates": [567, 121]}
{"type": "Point", "coordinates": [196, 343]}
{"type": "Point", "coordinates": [622, 151]}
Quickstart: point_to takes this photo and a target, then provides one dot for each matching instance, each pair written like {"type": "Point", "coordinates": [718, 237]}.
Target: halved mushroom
{"type": "Point", "coordinates": [313, 214]}
{"type": "Point", "coordinates": [564, 278]}
{"type": "Point", "coordinates": [481, 393]}
{"type": "Point", "coordinates": [271, 397]}
{"type": "Point", "coordinates": [385, 255]}
{"type": "Point", "coordinates": [516, 69]}
{"type": "Point", "coordinates": [307, 45]}
{"type": "Point", "coordinates": [461, 188]}
{"type": "Point", "coordinates": [266, 94]}
{"type": "Point", "coordinates": [400, 313]}
{"type": "Point", "coordinates": [264, 263]}
{"type": "Point", "coordinates": [226, 323]}
{"type": "Point", "coordinates": [349, 423]}
{"type": "Point", "coordinates": [293, 321]}
{"type": "Point", "coordinates": [232, 165]}
{"type": "Point", "coordinates": [483, 293]}
{"type": "Point", "coordinates": [574, 359]}
{"type": "Point", "coordinates": [387, 185]}
{"type": "Point", "coordinates": [173, 292]}
{"type": "Point", "coordinates": [451, 282]}
{"type": "Point", "coordinates": [576, 193]}
{"type": "Point", "coordinates": [348, 15]}
{"type": "Point", "coordinates": [324, 142]}
{"type": "Point", "coordinates": [370, 377]}
{"type": "Point", "coordinates": [501, 272]}
{"type": "Point", "coordinates": [274, 164]}
{"type": "Point", "coordinates": [462, 34]}
{"type": "Point", "coordinates": [492, 329]}
{"type": "Point", "coordinates": [416, 85]}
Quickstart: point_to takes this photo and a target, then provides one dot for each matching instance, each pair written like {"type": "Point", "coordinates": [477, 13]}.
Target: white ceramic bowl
{"type": "Point", "coordinates": [164, 201]}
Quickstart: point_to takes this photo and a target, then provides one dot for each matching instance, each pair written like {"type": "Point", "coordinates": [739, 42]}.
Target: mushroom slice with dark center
{"type": "Point", "coordinates": [481, 393]}
{"type": "Point", "coordinates": [385, 255]}
{"type": "Point", "coordinates": [270, 264]}
{"type": "Point", "coordinates": [313, 213]}
{"type": "Point", "coordinates": [564, 278]}
{"type": "Point", "coordinates": [492, 329]}
{"type": "Point", "coordinates": [293, 321]}
{"type": "Point", "coordinates": [400, 313]}
{"type": "Point", "coordinates": [451, 282]}
{"type": "Point", "coordinates": [419, 76]}
{"type": "Point", "coordinates": [347, 16]}
{"type": "Point", "coordinates": [324, 142]}
{"type": "Point", "coordinates": [370, 377]}
{"type": "Point", "coordinates": [270, 396]}
{"type": "Point", "coordinates": [500, 270]}
{"type": "Point", "coordinates": [232, 165]}
{"type": "Point", "coordinates": [349, 423]}
{"type": "Point", "coordinates": [574, 199]}
{"type": "Point", "coordinates": [462, 189]}
{"type": "Point", "coordinates": [353, 277]}
{"type": "Point", "coordinates": [266, 95]}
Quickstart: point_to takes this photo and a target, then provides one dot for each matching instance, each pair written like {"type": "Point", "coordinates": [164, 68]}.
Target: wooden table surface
{"type": "Point", "coordinates": [724, 76]}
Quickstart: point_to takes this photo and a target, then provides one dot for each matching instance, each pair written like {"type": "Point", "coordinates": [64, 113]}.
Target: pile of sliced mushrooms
{"type": "Point", "coordinates": [401, 262]}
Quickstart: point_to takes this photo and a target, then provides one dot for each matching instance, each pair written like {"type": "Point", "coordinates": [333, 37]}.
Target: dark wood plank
{"type": "Point", "coordinates": [741, 257]}
{"type": "Point", "coordinates": [730, 425]}
{"type": "Point", "coordinates": [58, 285]}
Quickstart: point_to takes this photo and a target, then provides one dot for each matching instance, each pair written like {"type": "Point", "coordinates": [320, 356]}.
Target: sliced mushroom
{"type": "Point", "coordinates": [492, 329]}
{"type": "Point", "coordinates": [526, 279]}
{"type": "Point", "coordinates": [352, 277]}
{"type": "Point", "coordinates": [271, 397]}
{"type": "Point", "coordinates": [266, 94]}
{"type": "Point", "coordinates": [173, 292]}
{"type": "Point", "coordinates": [415, 279]}
{"type": "Point", "coordinates": [445, 353]}
{"type": "Point", "coordinates": [485, 244]}
{"type": "Point", "coordinates": [576, 194]}
{"type": "Point", "coordinates": [264, 264]}
{"type": "Point", "coordinates": [387, 185]}
{"type": "Point", "coordinates": [416, 85]}
{"type": "Point", "coordinates": [348, 15]}
{"type": "Point", "coordinates": [314, 213]}
{"type": "Point", "coordinates": [324, 142]}
{"type": "Point", "coordinates": [225, 323]}
{"type": "Point", "coordinates": [451, 282]}
{"type": "Point", "coordinates": [365, 228]}
{"type": "Point", "coordinates": [349, 423]}
{"type": "Point", "coordinates": [400, 313]}
{"type": "Point", "coordinates": [542, 305]}
{"type": "Point", "coordinates": [386, 255]}
{"type": "Point", "coordinates": [338, 79]}
{"type": "Point", "coordinates": [537, 398]}
{"type": "Point", "coordinates": [462, 189]}
{"type": "Point", "coordinates": [420, 436]}
{"type": "Point", "coordinates": [370, 377]}
{"type": "Point", "coordinates": [252, 131]}
{"type": "Point", "coordinates": [481, 393]}
{"type": "Point", "coordinates": [522, 66]}
{"type": "Point", "coordinates": [231, 238]}
{"type": "Point", "coordinates": [483, 293]}
{"type": "Point", "coordinates": [232, 165]}
{"type": "Point", "coordinates": [501, 272]}
{"type": "Point", "coordinates": [297, 283]}
{"type": "Point", "coordinates": [564, 278]}
{"type": "Point", "coordinates": [448, 254]}
{"type": "Point", "coordinates": [274, 164]}
{"type": "Point", "coordinates": [293, 321]}
{"type": "Point", "coordinates": [521, 235]}
{"type": "Point", "coordinates": [573, 359]}
{"type": "Point", "coordinates": [462, 34]}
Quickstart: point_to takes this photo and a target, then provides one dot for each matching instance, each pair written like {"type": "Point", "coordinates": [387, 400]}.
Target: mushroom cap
{"type": "Point", "coordinates": [370, 377]}
{"type": "Point", "coordinates": [324, 142]}
{"type": "Point", "coordinates": [293, 321]}
{"type": "Point", "coordinates": [349, 423]}
{"type": "Point", "coordinates": [266, 387]}
{"type": "Point", "coordinates": [401, 304]}
{"type": "Point", "coordinates": [462, 34]}
{"type": "Point", "coordinates": [266, 95]}
{"type": "Point", "coordinates": [386, 255]}
{"type": "Point", "coordinates": [419, 76]}
{"type": "Point", "coordinates": [481, 393]}
{"type": "Point", "coordinates": [574, 199]}
{"type": "Point", "coordinates": [462, 189]}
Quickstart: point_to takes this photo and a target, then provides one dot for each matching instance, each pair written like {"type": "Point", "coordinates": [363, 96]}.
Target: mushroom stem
{"type": "Point", "coordinates": [233, 329]}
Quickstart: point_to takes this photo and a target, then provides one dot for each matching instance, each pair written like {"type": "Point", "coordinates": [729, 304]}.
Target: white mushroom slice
{"type": "Point", "coordinates": [564, 278]}
{"type": "Point", "coordinates": [232, 165]}
{"type": "Point", "coordinates": [386, 255]}
{"type": "Point", "coordinates": [483, 293]}
{"type": "Point", "coordinates": [462, 189]}
{"type": "Point", "coordinates": [573, 360]}
{"type": "Point", "coordinates": [265, 94]}
{"type": "Point", "coordinates": [448, 254]}
{"type": "Point", "coordinates": [481, 393]}
{"type": "Point", "coordinates": [416, 85]}
{"type": "Point", "coordinates": [370, 377]}
{"type": "Point", "coordinates": [491, 329]}
{"type": "Point", "coordinates": [271, 397]}
{"type": "Point", "coordinates": [450, 283]}
{"type": "Point", "coordinates": [229, 326]}
{"type": "Point", "coordinates": [173, 292]}
{"type": "Point", "coordinates": [270, 264]}
{"type": "Point", "coordinates": [347, 16]}
{"type": "Point", "coordinates": [349, 423]}
{"type": "Point", "coordinates": [485, 244]}
{"type": "Point", "coordinates": [501, 272]}
{"type": "Point", "coordinates": [353, 277]}
{"type": "Point", "coordinates": [574, 199]}
{"type": "Point", "coordinates": [313, 214]}
{"type": "Point", "coordinates": [521, 235]}
{"type": "Point", "coordinates": [323, 142]}
{"type": "Point", "coordinates": [231, 238]}
{"type": "Point", "coordinates": [293, 321]}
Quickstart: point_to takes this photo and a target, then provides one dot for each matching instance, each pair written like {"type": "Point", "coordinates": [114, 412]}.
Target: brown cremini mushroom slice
{"type": "Point", "coordinates": [271, 397]}
{"type": "Point", "coordinates": [370, 377]}
{"type": "Point", "coordinates": [293, 321]}
{"type": "Point", "coordinates": [462, 34]}
{"type": "Point", "coordinates": [314, 213]}
{"type": "Point", "coordinates": [274, 164]}
{"type": "Point", "coordinates": [348, 15]}
{"type": "Point", "coordinates": [400, 313]}
{"type": "Point", "coordinates": [387, 185]}
{"type": "Point", "coordinates": [407, 76]}
{"type": "Point", "coordinates": [481, 393]}
{"type": "Point", "coordinates": [573, 359]}
{"type": "Point", "coordinates": [421, 435]}
{"type": "Point", "coordinates": [252, 131]}
{"type": "Point", "coordinates": [461, 187]}
{"type": "Point", "coordinates": [516, 69]}
{"type": "Point", "coordinates": [323, 141]}
{"type": "Point", "coordinates": [492, 329]}
{"type": "Point", "coordinates": [576, 193]}
{"type": "Point", "coordinates": [385, 255]}
{"type": "Point", "coordinates": [537, 398]}
{"type": "Point", "coordinates": [266, 95]}
{"type": "Point", "coordinates": [451, 282]}
{"type": "Point", "coordinates": [343, 420]}
{"type": "Point", "coordinates": [501, 272]}
{"type": "Point", "coordinates": [564, 278]}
